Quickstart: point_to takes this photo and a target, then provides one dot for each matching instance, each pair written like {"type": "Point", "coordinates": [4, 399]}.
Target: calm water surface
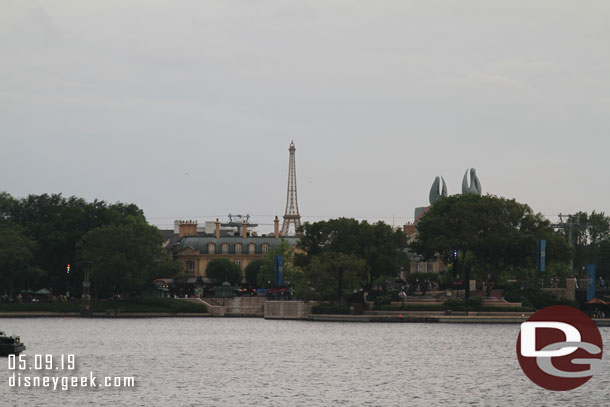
{"type": "Point", "coordinates": [256, 362]}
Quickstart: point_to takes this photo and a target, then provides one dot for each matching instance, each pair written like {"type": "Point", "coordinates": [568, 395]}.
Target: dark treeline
{"type": "Point", "coordinates": [341, 255]}
{"type": "Point", "coordinates": [492, 238]}
{"type": "Point", "coordinates": [589, 234]}
{"type": "Point", "coordinates": [485, 238]}
{"type": "Point", "coordinates": [41, 234]}
{"type": "Point", "coordinates": [495, 238]}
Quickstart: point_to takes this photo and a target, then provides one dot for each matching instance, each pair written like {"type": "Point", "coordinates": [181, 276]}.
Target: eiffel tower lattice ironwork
{"type": "Point", "coordinates": [291, 215]}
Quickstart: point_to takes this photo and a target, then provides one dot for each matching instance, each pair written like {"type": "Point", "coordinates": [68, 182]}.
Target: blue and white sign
{"type": "Point", "coordinates": [541, 255]}
{"type": "Point", "coordinates": [590, 281]}
{"type": "Point", "coordinates": [279, 270]}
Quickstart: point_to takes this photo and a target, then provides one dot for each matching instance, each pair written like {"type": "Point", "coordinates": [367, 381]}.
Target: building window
{"type": "Point", "coordinates": [238, 262]}
{"type": "Point", "coordinates": [225, 248]}
{"type": "Point", "coordinates": [190, 265]}
{"type": "Point", "coordinates": [211, 248]}
{"type": "Point", "coordinates": [238, 248]}
{"type": "Point", "coordinates": [252, 248]}
{"type": "Point", "coordinates": [265, 248]}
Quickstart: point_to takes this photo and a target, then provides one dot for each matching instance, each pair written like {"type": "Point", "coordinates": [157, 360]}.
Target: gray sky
{"type": "Point", "coordinates": [187, 108]}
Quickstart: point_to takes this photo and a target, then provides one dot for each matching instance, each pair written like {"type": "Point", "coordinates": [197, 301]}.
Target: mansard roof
{"type": "Point", "coordinates": [202, 243]}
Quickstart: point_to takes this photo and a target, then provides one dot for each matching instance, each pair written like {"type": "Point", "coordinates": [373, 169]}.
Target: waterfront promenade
{"type": "Point", "coordinates": [298, 310]}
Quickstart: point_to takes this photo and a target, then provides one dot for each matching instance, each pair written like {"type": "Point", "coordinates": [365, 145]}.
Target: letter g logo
{"type": "Point", "coordinates": [554, 346]}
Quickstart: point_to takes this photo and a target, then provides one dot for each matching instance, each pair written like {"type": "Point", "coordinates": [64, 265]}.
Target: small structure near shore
{"type": "Point", "coordinates": [10, 345]}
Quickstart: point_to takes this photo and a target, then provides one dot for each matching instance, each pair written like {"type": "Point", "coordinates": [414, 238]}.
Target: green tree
{"type": "Point", "coordinates": [167, 268]}
{"type": "Point", "coordinates": [382, 248]}
{"type": "Point", "coordinates": [266, 275]}
{"type": "Point", "coordinates": [57, 224]}
{"type": "Point", "coordinates": [498, 234]}
{"type": "Point", "coordinates": [7, 202]}
{"type": "Point", "coordinates": [589, 229]}
{"type": "Point", "coordinates": [588, 232]}
{"type": "Point", "coordinates": [125, 257]}
{"type": "Point", "coordinates": [252, 270]}
{"type": "Point", "coordinates": [222, 269]}
{"type": "Point", "coordinates": [334, 275]}
{"type": "Point", "coordinates": [603, 264]}
{"type": "Point", "coordinates": [16, 257]}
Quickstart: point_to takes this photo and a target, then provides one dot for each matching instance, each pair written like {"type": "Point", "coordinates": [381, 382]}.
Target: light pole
{"type": "Point", "coordinates": [86, 307]}
{"type": "Point", "coordinates": [68, 281]}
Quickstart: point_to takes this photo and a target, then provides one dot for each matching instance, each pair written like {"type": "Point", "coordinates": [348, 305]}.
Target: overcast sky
{"type": "Point", "coordinates": [187, 108]}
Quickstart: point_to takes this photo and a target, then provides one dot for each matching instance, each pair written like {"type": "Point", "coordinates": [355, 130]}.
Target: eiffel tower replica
{"type": "Point", "coordinates": [291, 215]}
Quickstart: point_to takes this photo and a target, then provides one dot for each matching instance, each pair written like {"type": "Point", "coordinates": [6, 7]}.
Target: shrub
{"type": "Point", "coordinates": [505, 309]}
{"type": "Point", "coordinates": [222, 269]}
{"type": "Point", "coordinates": [453, 304]}
{"type": "Point", "coordinates": [187, 307]}
{"type": "Point", "coordinates": [570, 303]}
{"type": "Point", "coordinates": [543, 299]}
{"type": "Point", "coordinates": [357, 297]}
{"type": "Point", "coordinates": [40, 306]}
{"type": "Point", "coordinates": [439, 307]}
{"type": "Point", "coordinates": [128, 305]}
{"type": "Point", "coordinates": [330, 309]}
{"type": "Point", "coordinates": [252, 270]}
{"type": "Point", "coordinates": [409, 307]}
{"type": "Point", "coordinates": [372, 295]}
{"type": "Point", "coordinates": [528, 293]}
{"type": "Point", "coordinates": [383, 300]}
{"type": "Point", "coordinates": [475, 302]}
{"type": "Point", "coordinates": [524, 302]}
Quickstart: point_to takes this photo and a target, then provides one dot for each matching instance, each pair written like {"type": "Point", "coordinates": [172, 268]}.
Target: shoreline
{"type": "Point", "coordinates": [468, 319]}
{"type": "Point", "coordinates": [48, 314]}
{"type": "Point", "coordinates": [377, 318]}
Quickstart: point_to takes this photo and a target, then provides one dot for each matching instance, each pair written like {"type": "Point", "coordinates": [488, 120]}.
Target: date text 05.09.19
{"type": "Point", "coordinates": [41, 362]}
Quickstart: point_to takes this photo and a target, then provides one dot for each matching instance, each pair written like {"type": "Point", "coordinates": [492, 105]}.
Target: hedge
{"type": "Point", "coordinates": [442, 307]}
{"type": "Point", "coordinates": [330, 309]}
{"type": "Point", "coordinates": [128, 305]}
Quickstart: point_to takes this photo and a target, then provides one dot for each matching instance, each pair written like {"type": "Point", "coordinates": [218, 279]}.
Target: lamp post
{"type": "Point", "coordinates": [68, 281]}
{"type": "Point", "coordinates": [86, 306]}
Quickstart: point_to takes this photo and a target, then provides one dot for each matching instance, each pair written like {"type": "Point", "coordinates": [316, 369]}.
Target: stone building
{"type": "Point", "coordinates": [241, 245]}
{"type": "Point", "coordinates": [417, 263]}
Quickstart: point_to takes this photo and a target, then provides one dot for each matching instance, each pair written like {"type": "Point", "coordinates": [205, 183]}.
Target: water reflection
{"type": "Point", "coordinates": [235, 362]}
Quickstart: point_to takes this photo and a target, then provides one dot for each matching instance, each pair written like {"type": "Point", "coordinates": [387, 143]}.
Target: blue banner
{"type": "Point", "coordinates": [541, 255]}
{"type": "Point", "coordinates": [590, 281]}
{"type": "Point", "coordinates": [279, 270]}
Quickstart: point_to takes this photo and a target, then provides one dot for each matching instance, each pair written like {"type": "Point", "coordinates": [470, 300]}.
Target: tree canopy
{"type": "Point", "coordinates": [381, 249]}
{"type": "Point", "coordinates": [16, 257]}
{"type": "Point", "coordinates": [333, 275]}
{"type": "Point", "coordinates": [252, 270]}
{"type": "Point", "coordinates": [266, 274]}
{"type": "Point", "coordinates": [589, 234]}
{"type": "Point", "coordinates": [222, 269]}
{"type": "Point", "coordinates": [56, 225]}
{"type": "Point", "coordinates": [497, 234]}
{"type": "Point", "coordinates": [125, 257]}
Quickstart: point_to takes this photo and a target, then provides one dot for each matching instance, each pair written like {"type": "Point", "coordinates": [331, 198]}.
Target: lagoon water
{"type": "Point", "coordinates": [256, 362]}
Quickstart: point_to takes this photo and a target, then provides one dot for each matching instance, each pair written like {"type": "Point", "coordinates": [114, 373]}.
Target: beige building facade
{"type": "Point", "coordinates": [195, 250]}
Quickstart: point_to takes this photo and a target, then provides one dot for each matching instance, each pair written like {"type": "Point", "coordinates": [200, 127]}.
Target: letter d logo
{"type": "Point", "coordinates": [528, 338]}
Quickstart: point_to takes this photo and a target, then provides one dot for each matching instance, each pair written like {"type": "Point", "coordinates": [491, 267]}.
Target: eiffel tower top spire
{"type": "Point", "coordinates": [291, 215]}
